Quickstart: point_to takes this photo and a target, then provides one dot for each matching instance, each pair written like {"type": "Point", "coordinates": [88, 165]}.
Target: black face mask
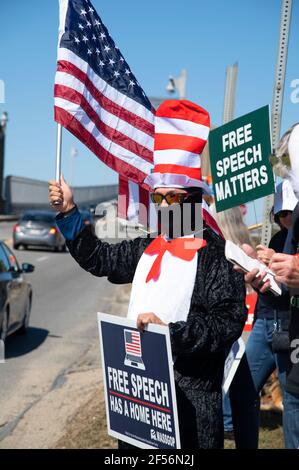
{"type": "Point", "coordinates": [178, 220]}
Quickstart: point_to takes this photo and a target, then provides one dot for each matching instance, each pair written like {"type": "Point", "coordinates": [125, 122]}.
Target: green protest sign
{"type": "Point", "coordinates": [239, 154]}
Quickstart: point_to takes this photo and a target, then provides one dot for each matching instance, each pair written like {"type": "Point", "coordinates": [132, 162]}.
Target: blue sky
{"type": "Point", "coordinates": [157, 38]}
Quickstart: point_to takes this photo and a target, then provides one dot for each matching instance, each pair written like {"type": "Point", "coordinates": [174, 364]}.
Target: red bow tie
{"type": "Point", "coordinates": [184, 248]}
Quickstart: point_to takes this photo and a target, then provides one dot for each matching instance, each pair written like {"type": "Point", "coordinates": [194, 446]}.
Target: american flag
{"type": "Point", "coordinates": [132, 342]}
{"type": "Point", "coordinates": [134, 204]}
{"type": "Point", "coordinates": [98, 98]}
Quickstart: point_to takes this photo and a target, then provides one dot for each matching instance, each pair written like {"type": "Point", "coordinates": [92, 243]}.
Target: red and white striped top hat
{"type": "Point", "coordinates": [181, 132]}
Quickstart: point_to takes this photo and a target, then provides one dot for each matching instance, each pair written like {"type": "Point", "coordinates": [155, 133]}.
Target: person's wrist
{"type": "Point", "coordinates": [68, 208]}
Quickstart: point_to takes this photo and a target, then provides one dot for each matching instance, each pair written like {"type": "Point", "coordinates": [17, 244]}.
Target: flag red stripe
{"type": "Point", "coordinates": [123, 202]}
{"type": "Point", "coordinates": [178, 169]}
{"type": "Point", "coordinates": [179, 142]}
{"type": "Point", "coordinates": [144, 197]}
{"type": "Point", "coordinates": [211, 222]}
{"type": "Point", "coordinates": [106, 103]}
{"type": "Point", "coordinates": [61, 91]}
{"type": "Point", "coordinates": [144, 200]}
{"type": "Point", "coordinates": [74, 126]}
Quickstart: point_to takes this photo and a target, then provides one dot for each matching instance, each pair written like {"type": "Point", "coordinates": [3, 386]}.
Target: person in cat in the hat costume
{"type": "Point", "coordinates": [181, 278]}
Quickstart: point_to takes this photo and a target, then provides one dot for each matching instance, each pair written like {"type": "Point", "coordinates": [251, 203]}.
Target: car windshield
{"type": "Point", "coordinates": [38, 218]}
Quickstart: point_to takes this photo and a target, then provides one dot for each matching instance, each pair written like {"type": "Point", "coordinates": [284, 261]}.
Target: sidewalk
{"type": "Point", "coordinates": [74, 404]}
{"type": "Point", "coordinates": [8, 218]}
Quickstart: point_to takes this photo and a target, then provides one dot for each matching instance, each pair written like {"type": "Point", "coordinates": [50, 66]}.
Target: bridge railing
{"type": "Point", "coordinates": [25, 193]}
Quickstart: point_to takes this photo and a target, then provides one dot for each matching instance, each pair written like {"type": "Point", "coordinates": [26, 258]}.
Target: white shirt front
{"type": "Point", "coordinates": [169, 296]}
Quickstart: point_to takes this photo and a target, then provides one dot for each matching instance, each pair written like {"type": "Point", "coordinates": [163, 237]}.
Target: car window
{"type": "Point", "coordinates": [38, 218]}
{"type": "Point", "coordinates": [11, 258]}
{"type": "Point", "coordinates": [4, 264]}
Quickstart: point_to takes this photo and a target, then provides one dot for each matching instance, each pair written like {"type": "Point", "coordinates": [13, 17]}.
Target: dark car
{"type": "Point", "coordinates": [38, 228]}
{"type": "Point", "coordinates": [15, 293]}
{"type": "Point", "coordinates": [87, 217]}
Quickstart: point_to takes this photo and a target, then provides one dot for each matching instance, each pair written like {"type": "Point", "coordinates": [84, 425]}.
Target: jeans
{"type": "Point", "coordinates": [227, 413]}
{"type": "Point", "coordinates": [256, 366]}
{"type": "Point", "coordinates": [291, 420]}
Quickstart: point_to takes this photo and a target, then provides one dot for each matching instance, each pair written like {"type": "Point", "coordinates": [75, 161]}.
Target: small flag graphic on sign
{"type": "Point", "coordinates": [133, 349]}
{"type": "Point", "coordinates": [132, 342]}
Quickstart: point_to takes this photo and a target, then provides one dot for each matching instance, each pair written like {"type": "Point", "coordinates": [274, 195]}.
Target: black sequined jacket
{"type": "Point", "coordinates": [216, 318]}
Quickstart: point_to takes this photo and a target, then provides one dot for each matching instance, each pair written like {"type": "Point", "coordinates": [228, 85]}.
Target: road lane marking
{"type": "Point", "coordinates": [42, 258]}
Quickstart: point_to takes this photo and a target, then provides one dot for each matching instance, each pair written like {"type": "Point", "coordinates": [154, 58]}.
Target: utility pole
{"type": "Point", "coordinates": [228, 111]}
{"type": "Point", "coordinates": [277, 103]}
{"type": "Point", "coordinates": [230, 93]}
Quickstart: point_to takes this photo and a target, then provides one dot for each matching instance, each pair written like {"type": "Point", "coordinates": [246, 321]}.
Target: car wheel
{"type": "Point", "coordinates": [24, 328]}
{"type": "Point", "coordinates": [61, 248]}
{"type": "Point", "coordinates": [4, 326]}
{"type": "Point", "coordinates": [16, 247]}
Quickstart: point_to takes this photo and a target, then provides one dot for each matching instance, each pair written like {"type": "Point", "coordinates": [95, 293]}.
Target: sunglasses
{"type": "Point", "coordinates": [170, 198]}
{"type": "Point", "coordinates": [283, 214]}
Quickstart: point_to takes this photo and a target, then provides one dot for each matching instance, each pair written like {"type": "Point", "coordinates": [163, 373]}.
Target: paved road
{"type": "Point", "coordinates": [63, 324]}
{"type": "Point", "coordinates": [6, 230]}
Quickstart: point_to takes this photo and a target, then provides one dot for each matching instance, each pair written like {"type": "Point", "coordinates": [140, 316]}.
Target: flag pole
{"type": "Point", "coordinates": [58, 152]}
{"type": "Point", "coordinates": [58, 155]}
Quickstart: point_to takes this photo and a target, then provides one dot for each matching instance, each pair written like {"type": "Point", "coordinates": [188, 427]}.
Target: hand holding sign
{"type": "Point", "coordinates": [286, 268]}
{"type": "Point", "coordinates": [255, 276]}
{"type": "Point", "coordinates": [264, 254]}
{"type": "Point", "coordinates": [144, 319]}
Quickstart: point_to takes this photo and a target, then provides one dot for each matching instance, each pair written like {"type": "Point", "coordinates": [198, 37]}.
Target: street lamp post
{"type": "Point", "coordinates": [178, 84]}
{"type": "Point", "coordinates": [230, 93]}
{"type": "Point", "coordinates": [3, 123]}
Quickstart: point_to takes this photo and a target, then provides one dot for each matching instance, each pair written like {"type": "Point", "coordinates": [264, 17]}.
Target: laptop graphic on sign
{"type": "Point", "coordinates": [133, 349]}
